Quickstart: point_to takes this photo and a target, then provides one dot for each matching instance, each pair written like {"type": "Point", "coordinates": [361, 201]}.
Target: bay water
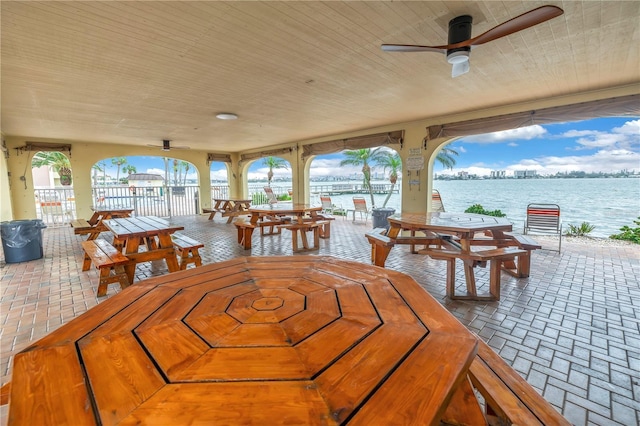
{"type": "Point", "coordinates": [607, 203]}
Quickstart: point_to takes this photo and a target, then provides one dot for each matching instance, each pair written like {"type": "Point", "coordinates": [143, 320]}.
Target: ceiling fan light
{"type": "Point", "coordinates": [458, 57]}
{"type": "Point", "coordinates": [226, 116]}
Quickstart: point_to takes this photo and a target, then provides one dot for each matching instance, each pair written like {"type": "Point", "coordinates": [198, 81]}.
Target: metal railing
{"type": "Point", "coordinates": [56, 206]}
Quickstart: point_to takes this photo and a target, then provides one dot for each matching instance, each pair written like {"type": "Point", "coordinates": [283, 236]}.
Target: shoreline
{"type": "Point", "coordinates": [586, 241]}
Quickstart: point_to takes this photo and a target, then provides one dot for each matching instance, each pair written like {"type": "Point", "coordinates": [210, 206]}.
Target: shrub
{"type": "Point", "coordinates": [628, 233]}
{"type": "Point", "coordinates": [478, 209]}
{"type": "Point", "coordinates": [580, 231]}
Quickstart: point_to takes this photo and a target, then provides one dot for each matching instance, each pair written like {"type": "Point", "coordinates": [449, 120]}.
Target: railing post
{"type": "Point", "coordinates": [196, 198]}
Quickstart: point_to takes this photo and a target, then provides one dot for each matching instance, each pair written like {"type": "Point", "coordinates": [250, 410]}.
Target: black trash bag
{"type": "Point", "coordinates": [19, 233]}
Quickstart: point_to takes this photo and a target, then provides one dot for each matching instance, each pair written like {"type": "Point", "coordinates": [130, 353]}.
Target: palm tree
{"type": "Point", "coordinates": [394, 164]}
{"type": "Point", "coordinates": [274, 163]}
{"type": "Point", "coordinates": [57, 161]}
{"type": "Point", "coordinates": [129, 169]}
{"type": "Point", "coordinates": [363, 157]}
{"type": "Point", "coordinates": [119, 162]}
{"type": "Point", "coordinates": [445, 157]}
{"type": "Point", "coordinates": [185, 165]}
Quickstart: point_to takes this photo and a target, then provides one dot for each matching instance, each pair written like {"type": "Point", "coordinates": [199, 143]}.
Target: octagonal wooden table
{"type": "Point", "coordinates": [258, 340]}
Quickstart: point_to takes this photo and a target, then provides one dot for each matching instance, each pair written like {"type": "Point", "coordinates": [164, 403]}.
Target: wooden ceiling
{"type": "Point", "coordinates": [139, 72]}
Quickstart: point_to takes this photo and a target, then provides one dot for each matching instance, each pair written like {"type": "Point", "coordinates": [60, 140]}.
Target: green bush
{"type": "Point", "coordinates": [580, 231]}
{"type": "Point", "coordinates": [478, 209]}
{"type": "Point", "coordinates": [628, 233]}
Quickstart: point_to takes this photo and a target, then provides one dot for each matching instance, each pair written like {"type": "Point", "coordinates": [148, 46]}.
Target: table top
{"type": "Point", "coordinates": [450, 222]}
{"type": "Point", "coordinates": [308, 340]}
{"type": "Point", "coordinates": [140, 226]}
{"type": "Point", "coordinates": [115, 209]}
{"type": "Point", "coordinates": [284, 208]}
{"type": "Point", "coordinates": [236, 200]}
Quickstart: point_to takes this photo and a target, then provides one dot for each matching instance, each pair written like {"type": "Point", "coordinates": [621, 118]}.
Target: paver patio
{"type": "Point", "coordinates": [572, 329]}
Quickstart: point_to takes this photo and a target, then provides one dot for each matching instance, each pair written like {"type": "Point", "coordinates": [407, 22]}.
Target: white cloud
{"type": "Point", "coordinates": [522, 133]}
{"type": "Point", "coordinates": [154, 171]}
{"type": "Point", "coordinates": [602, 160]}
{"type": "Point", "coordinates": [629, 128]}
{"type": "Point", "coordinates": [332, 167]}
{"type": "Point", "coordinates": [624, 137]}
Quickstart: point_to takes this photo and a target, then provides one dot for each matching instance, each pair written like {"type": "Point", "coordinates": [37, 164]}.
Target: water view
{"type": "Point", "coordinates": [608, 204]}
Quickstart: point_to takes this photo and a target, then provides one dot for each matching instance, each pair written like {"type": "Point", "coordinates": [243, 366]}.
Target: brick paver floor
{"type": "Point", "coordinates": [571, 329]}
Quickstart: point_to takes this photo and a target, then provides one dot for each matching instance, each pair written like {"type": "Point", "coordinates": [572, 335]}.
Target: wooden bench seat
{"type": "Point", "coordinates": [245, 231]}
{"type": "Point", "coordinates": [495, 257]}
{"type": "Point", "coordinates": [521, 268]}
{"type": "Point", "coordinates": [303, 228]}
{"type": "Point", "coordinates": [212, 212]}
{"type": "Point", "coordinates": [380, 245]}
{"type": "Point", "coordinates": [325, 230]}
{"type": "Point", "coordinates": [80, 224]}
{"type": "Point", "coordinates": [508, 398]}
{"type": "Point", "coordinates": [83, 227]}
{"type": "Point", "coordinates": [269, 224]}
{"type": "Point", "coordinates": [187, 250]}
{"type": "Point", "coordinates": [109, 261]}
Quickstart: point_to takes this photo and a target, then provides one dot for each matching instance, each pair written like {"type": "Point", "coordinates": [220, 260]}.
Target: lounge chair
{"type": "Point", "coordinates": [436, 201]}
{"type": "Point", "coordinates": [544, 218]}
{"type": "Point", "coordinates": [359, 206]}
{"type": "Point", "coordinates": [327, 205]}
{"type": "Point", "coordinates": [271, 197]}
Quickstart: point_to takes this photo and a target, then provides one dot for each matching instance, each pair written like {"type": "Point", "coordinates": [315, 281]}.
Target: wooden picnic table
{"type": "Point", "coordinates": [153, 232]}
{"type": "Point", "coordinates": [302, 340]}
{"type": "Point", "coordinates": [93, 227]}
{"type": "Point", "coordinates": [228, 207]}
{"type": "Point", "coordinates": [301, 213]}
{"type": "Point", "coordinates": [451, 236]}
{"type": "Point", "coordinates": [101, 213]}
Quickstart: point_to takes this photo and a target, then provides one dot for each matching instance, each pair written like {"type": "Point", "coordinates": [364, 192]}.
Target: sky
{"type": "Point", "coordinates": [598, 145]}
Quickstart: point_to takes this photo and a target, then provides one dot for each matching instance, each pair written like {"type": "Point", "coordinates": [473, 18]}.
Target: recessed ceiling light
{"type": "Point", "coordinates": [226, 116]}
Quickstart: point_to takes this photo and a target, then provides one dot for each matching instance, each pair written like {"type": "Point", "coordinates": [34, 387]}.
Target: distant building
{"type": "Point", "coordinates": [525, 174]}
{"type": "Point", "coordinates": [151, 182]}
{"type": "Point", "coordinates": [498, 174]}
{"type": "Point", "coordinates": [463, 175]}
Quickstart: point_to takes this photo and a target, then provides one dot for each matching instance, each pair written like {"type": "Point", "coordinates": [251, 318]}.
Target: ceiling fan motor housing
{"type": "Point", "coordinates": [166, 145]}
{"type": "Point", "coordinates": [459, 30]}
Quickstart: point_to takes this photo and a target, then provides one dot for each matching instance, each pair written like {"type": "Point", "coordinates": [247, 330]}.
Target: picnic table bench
{"type": "Point", "coordinates": [303, 228]}
{"type": "Point", "coordinates": [83, 227]}
{"type": "Point", "coordinates": [451, 237]}
{"type": "Point", "coordinates": [109, 261]}
{"type": "Point", "coordinates": [228, 207]}
{"type": "Point", "coordinates": [93, 227]}
{"type": "Point", "coordinates": [187, 250]}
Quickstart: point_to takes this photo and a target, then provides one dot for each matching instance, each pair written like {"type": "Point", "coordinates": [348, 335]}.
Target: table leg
{"type": "Point", "coordinates": [165, 241]}
{"type": "Point", "coordinates": [131, 245]}
{"type": "Point", "coordinates": [94, 218]}
{"type": "Point", "coordinates": [451, 278]}
{"type": "Point", "coordinates": [470, 278]}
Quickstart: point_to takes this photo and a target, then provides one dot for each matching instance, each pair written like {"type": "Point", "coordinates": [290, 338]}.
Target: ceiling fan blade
{"type": "Point", "coordinates": [412, 48]}
{"type": "Point", "coordinates": [459, 69]}
{"type": "Point", "coordinates": [519, 23]}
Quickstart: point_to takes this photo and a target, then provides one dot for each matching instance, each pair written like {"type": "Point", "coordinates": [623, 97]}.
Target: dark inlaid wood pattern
{"type": "Point", "coordinates": [260, 340]}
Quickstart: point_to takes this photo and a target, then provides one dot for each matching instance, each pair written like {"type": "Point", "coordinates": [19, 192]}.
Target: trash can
{"type": "Point", "coordinates": [380, 215]}
{"type": "Point", "coordinates": [22, 240]}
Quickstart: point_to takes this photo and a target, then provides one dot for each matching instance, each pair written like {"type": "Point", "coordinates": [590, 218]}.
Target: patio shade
{"type": "Point", "coordinates": [225, 158]}
{"type": "Point", "coordinates": [359, 142]}
{"type": "Point", "coordinates": [620, 106]}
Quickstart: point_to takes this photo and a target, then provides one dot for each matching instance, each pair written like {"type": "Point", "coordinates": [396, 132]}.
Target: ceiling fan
{"type": "Point", "coordinates": [166, 145]}
{"type": "Point", "coordinates": [460, 41]}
